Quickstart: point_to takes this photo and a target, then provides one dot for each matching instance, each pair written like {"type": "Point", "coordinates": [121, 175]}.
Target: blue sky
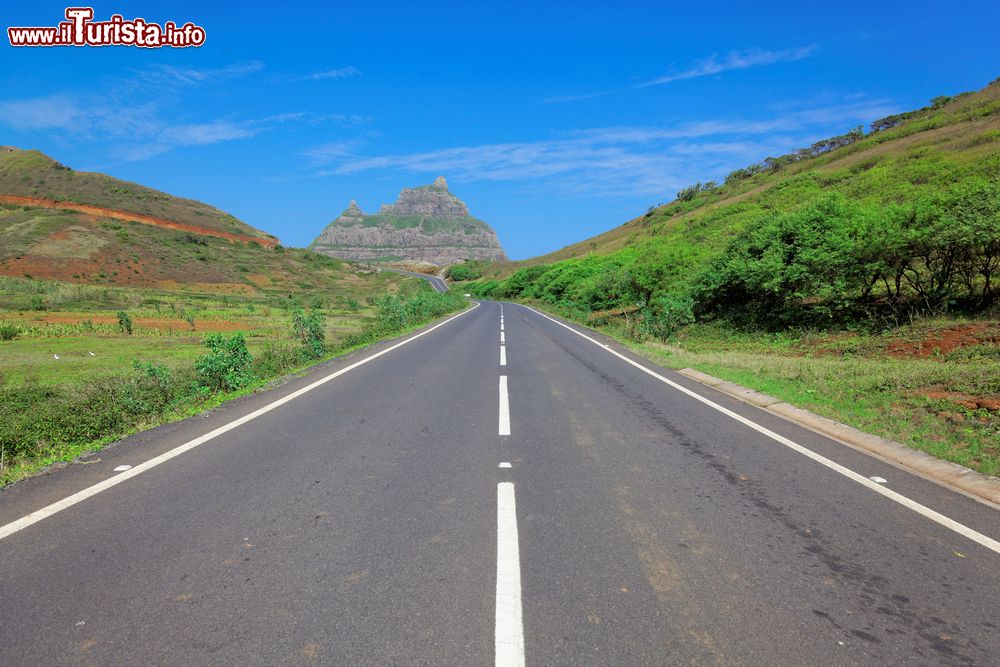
{"type": "Point", "coordinates": [553, 121]}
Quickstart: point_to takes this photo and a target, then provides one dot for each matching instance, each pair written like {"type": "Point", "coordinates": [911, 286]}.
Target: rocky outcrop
{"type": "Point", "coordinates": [427, 223]}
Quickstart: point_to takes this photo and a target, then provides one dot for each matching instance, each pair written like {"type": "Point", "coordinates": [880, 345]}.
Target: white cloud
{"type": "Point", "coordinates": [190, 76]}
{"type": "Point", "coordinates": [41, 113]}
{"type": "Point", "coordinates": [340, 73]}
{"type": "Point", "coordinates": [735, 60]}
{"type": "Point", "coordinates": [130, 115]}
{"type": "Point", "coordinates": [616, 161]}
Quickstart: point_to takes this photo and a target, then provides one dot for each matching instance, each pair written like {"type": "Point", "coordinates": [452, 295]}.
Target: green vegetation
{"type": "Point", "coordinates": [106, 383]}
{"type": "Point", "coordinates": [467, 270]}
{"type": "Point", "coordinates": [858, 238]}
{"type": "Point", "coordinates": [124, 322]}
{"type": "Point", "coordinates": [227, 366]}
{"type": "Point", "coordinates": [308, 329]}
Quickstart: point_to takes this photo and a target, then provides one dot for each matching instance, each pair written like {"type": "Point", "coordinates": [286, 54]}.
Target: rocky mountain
{"type": "Point", "coordinates": [427, 223]}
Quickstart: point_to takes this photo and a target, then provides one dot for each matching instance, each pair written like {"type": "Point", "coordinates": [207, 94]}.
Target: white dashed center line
{"type": "Point", "coordinates": [509, 625]}
{"type": "Point", "coordinates": [504, 407]}
{"type": "Point", "coordinates": [503, 355]}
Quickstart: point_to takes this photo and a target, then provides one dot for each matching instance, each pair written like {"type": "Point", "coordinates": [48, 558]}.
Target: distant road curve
{"type": "Point", "coordinates": [128, 216]}
{"type": "Point", "coordinates": [438, 284]}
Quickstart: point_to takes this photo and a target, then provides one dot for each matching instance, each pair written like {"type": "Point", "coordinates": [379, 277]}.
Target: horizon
{"type": "Point", "coordinates": [550, 126]}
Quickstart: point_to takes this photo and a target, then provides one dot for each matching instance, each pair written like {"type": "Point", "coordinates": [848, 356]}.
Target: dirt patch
{"type": "Point", "coordinates": [991, 403]}
{"type": "Point", "coordinates": [161, 323]}
{"type": "Point", "coordinates": [225, 288]}
{"type": "Point", "coordinates": [38, 202]}
{"type": "Point", "coordinates": [943, 341]}
{"type": "Point", "coordinates": [259, 279]}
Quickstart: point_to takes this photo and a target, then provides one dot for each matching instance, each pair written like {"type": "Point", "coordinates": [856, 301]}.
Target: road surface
{"type": "Point", "coordinates": [483, 493]}
{"type": "Point", "coordinates": [438, 284]}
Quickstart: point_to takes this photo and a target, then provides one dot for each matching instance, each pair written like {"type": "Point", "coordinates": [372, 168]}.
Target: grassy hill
{"type": "Point", "coordinates": [904, 182]}
{"type": "Point", "coordinates": [168, 244]}
{"type": "Point", "coordinates": [857, 278]}
{"type": "Point", "coordinates": [30, 173]}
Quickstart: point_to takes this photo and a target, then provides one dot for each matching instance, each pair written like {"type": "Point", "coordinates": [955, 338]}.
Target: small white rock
{"type": "Point", "coordinates": [878, 480]}
{"type": "Point", "coordinates": [123, 468]}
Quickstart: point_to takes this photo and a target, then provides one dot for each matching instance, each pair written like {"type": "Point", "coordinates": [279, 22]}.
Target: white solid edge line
{"type": "Point", "coordinates": [504, 428]}
{"type": "Point", "coordinates": [79, 496]}
{"type": "Point", "coordinates": [509, 624]}
{"type": "Point", "coordinates": [503, 355]}
{"type": "Point", "coordinates": [951, 524]}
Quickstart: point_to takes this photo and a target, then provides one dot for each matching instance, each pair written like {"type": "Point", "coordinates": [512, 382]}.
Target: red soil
{"type": "Point", "coordinates": [38, 202]}
{"type": "Point", "coordinates": [163, 323]}
{"type": "Point", "coordinates": [942, 341]}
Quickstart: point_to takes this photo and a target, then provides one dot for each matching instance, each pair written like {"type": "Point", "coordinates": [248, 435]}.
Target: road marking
{"type": "Point", "coordinates": [36, 516]}
{"type": "Point", "coordinates": [878, 480]}
{"type": "Point", "coordinates": [509, 626]}
{"type": "Point", "coordinates": [951, 524]}
{"type": "Point", "coordinates": [501, 325]}
{"type": "Point", "coordinates": [503, 355]}
{"type": "Point", "coordinates": [123, 468]}
{"type": "Point", "coordinates": [504, 464]}
{"type": "Point", "coordinates": [504, 407]}
{"type": "Point", "coordinates": [502, 337]}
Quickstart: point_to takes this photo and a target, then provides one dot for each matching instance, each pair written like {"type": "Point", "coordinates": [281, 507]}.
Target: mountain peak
{"type": "Point", "coordinates": [426, 223]}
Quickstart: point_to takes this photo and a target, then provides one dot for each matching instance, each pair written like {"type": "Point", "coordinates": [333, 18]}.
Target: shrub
{"type": "Point", "coordinates": [8, 331]}
{"type": "Point", "coordinates": [150, 391]}
{"type": "Point", "coordinates": [37, 303]}
{"type": "Point", "coordinates": [665, 315]}
{"type": "Point", "coordinates": [227, 364]}
{"type": "Point", "coordinates": [124, 322]}
{"type": "Point", "coordinates": [308, 330]}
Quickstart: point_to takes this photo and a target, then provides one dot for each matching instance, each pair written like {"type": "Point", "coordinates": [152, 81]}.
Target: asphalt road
{"type": "Point", "coordinates": [367, 520]}
{"type": "Point", "coordinates": [438, 284]}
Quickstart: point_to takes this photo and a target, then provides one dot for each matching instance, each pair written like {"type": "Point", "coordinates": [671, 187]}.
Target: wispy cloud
{"type": "Point", "coordinates": [188, 76]}
{"type": "Point", "coordinates": [735, 60]}
{"type": "Point", "coordinates": [713, 64]}
{"type": "Point", "coordinates": [615, 161]}
{"type": "Point", "coordinates": [53, 112]}
{"type": "Point", "coordinates": [556, 99]}
{"type": "Point", "coordinates": [340, 73]}
{"type": "Point", "coordinates": [135, 116]}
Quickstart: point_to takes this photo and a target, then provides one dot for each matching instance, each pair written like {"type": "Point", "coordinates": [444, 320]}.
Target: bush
{"type": "Point", "coordinates": [37, 303]}
{"type": "Point", "coordinates": [150, 391]}
{"type": "Point", "coordinates": [124, 322]}
{"type": "Point", "coordinates": [665, 315]}
{"type": "Point", "coordinates": [228, 364]}
{"type": "Point", "coordinates": [464, 272]}
{"type": "Point", "coordinates": [309, 331]}
{"type": "Point", "coordinates": [8, 331]}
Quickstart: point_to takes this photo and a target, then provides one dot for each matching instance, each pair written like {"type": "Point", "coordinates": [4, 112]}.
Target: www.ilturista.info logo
{"type": "Point", "coordinates": [79, 29]}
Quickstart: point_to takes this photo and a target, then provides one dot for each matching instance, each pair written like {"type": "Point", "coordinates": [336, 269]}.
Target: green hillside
{"type": "Point", "coordinates": [903, 219]}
